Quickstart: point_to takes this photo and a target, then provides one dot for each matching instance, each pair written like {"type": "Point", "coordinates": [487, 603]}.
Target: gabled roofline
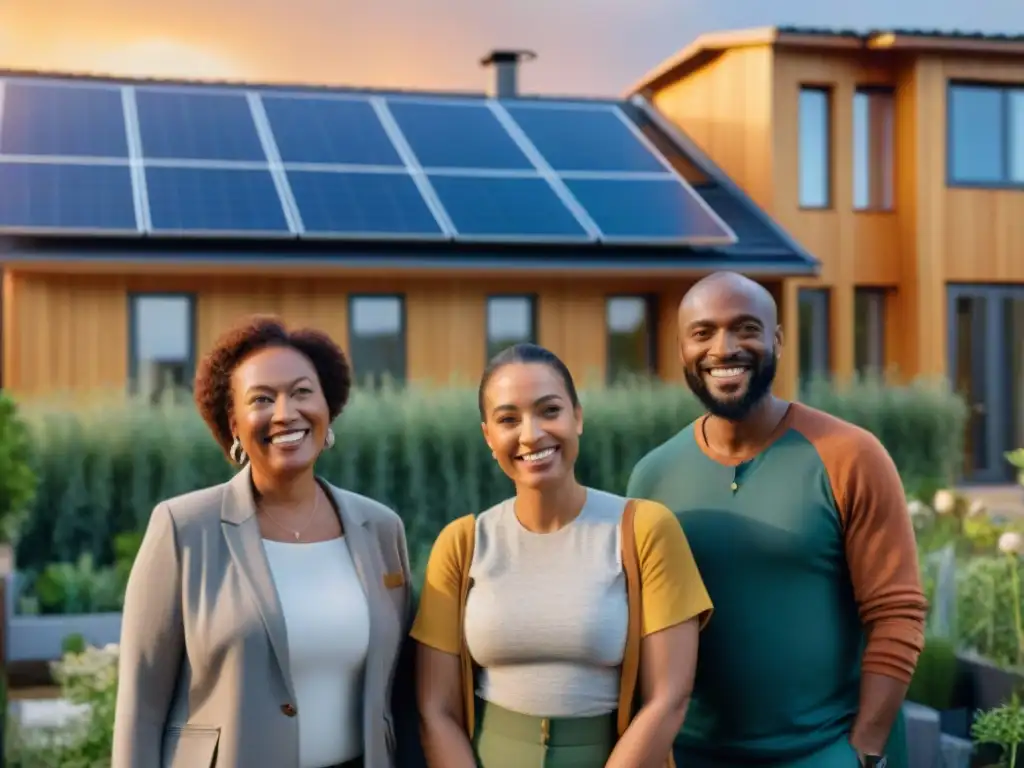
{"type": "Point", "coordinates": [707, 166]}
{"type": "Point", "coordinates": [708, 47]}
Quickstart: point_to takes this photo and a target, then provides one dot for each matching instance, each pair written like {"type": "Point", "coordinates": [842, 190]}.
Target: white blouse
{"type": "Point", "coordinates": [328, 624]}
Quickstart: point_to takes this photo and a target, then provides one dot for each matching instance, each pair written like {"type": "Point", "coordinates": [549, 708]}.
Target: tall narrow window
{"type": "Point", "coordinates": [873, 141]}
{"type": "Point", "coordinates": [161, 358]}
{"type": "Point", "coordinates": [869, 331]}
{"type": "Point", "coordinates": [815, 150]}
{"type": "Point", "coordinates": [377, 339]}
{"type": "Point", "coordinates": [510, 320]}
{"type": "Point", "coordinates": [631, 342]}
{"type": "Point", "coordinates": [815, 355]}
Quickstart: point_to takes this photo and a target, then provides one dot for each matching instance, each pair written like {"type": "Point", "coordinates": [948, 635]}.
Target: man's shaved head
{"type": "Point", "coordinates": [736, 286]}
{"type": "Point", "coordinates": [729, 340]}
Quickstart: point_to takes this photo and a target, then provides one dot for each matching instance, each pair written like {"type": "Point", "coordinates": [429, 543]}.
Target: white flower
{"type": "Point", "coordinates": [917, 509]}
{"type": "Point", "coordinates": [1011, 543]}
{"type": "Point", "coordinates": [944, 502]}
{"type": "Point", "coordinates": [977, 508]}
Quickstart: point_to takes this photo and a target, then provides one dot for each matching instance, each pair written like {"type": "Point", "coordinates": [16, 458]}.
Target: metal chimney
{"type": "Point", "coordinates": [503, 83]}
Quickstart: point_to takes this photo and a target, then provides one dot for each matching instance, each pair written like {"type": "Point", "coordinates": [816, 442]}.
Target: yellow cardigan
{"type": "Point", "coordinates": [663, 588]}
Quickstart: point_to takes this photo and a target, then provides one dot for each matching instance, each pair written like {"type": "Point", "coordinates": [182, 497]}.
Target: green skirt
{"type": "Point", "coordinates": [506, 739]}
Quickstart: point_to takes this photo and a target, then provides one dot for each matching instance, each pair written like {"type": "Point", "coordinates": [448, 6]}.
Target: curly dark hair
{"type": "Point", "coordinates": [213, 378]}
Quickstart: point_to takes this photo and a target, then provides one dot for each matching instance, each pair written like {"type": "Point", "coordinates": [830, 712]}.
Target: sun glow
{"type": "Point", "coordinates": [163, 58]}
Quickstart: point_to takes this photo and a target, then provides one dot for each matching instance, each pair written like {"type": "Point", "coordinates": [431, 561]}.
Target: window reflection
{"type": "Point", "coordinates": [630, 337]}
{"type": "Point", "coordinates": [163, 346]}
{"type": "Point", "coordinates": [815, 127]}
{"type": "Point", "coordinates": [510, 320]}
{"type": "Point", "coordinates": [377, 339]}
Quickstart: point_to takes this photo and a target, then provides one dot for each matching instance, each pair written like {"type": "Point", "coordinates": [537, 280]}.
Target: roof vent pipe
{"type": "Point", "coordinates": [503, 83]}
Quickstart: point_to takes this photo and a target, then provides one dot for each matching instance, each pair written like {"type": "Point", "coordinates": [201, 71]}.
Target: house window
{"type": "Point", "coordinates": [869, 331]}
{"type": "Point", "coordinates": [986, 135]}
{"type": "Point", "coordinates": [873, 140]}
{"type": "Point", "coordinates": [510, 320]}
{"type": "Point", "coordinates": [377, 339]}
{"type": "Point", "coordinates": [815, 355]}
{"type": "Point", "coordinates": [161, 357]}
{"type": "Point", "coordinates": [631, 344]}
{"type": "Point", "coordinates": [815, 151]}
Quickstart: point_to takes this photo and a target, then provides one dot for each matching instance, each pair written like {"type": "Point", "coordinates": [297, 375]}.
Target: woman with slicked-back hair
{"type": "Point", "coordinates": [263, 617]}
{"type": "Point", "coordinates": [559, 628]}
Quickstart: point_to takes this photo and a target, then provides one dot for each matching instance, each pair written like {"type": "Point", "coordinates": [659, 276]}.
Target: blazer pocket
{"type": "Point", "coordinates": [394, 580]}
{"type": "Point", "coordinates": [191, 746]}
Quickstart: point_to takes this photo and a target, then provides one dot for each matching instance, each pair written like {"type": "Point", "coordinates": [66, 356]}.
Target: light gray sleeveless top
{"type": "Point", "coordinates": [547, 615]}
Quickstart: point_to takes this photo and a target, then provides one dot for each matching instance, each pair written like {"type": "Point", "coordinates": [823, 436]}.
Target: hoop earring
{"type": "Point", "coordinates": [237, 453]}
{"type": "Point", "coordinates": [329, 441]}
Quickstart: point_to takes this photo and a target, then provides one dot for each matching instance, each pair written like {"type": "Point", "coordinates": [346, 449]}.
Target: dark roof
{"type": "Point", "coordinates": [867, 34]}
{"type": "Point", "coordinates": [761, 244]}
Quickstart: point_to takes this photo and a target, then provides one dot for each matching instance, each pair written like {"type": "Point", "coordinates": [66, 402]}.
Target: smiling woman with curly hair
{"type": "Point", "coordinates": [264, 617]}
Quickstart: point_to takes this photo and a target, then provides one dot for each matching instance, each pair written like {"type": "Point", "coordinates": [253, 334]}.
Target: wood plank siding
{"type": "Point", "coordinates": [67, 334]}
{"type": "Point", "coordinates": [741, 106]}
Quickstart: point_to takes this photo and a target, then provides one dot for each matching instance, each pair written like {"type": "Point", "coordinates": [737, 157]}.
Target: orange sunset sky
{"type": "Point", "coordinates": [585, 46]}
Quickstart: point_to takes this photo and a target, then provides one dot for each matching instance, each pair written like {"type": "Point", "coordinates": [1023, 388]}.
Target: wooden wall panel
{"type": "Point", "coordinates": [69, 333]}
{"type": "Point", "coordinates": [725, 107]}
{"type": "Point", "coordinates": [979, 233]}
{"type": "Point", "coordinates": [856, 248]}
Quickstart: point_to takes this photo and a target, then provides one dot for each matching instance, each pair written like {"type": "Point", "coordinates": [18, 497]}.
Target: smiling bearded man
{"type": "Point", "coordinates": [799, 526]}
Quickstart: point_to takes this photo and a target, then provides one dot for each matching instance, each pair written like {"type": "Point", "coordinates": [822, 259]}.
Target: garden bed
{"type": "Point", "coordinates": [41, 637]}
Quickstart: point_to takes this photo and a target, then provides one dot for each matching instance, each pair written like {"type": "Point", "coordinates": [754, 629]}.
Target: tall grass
{"type": "Point", "coordinates": [102, 470]}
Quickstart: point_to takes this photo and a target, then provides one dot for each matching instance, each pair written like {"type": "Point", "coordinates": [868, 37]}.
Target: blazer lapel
{"type": "Point", "coordinates": [245, 543]}
{"type": "Point", "coordinates": [362, 546]}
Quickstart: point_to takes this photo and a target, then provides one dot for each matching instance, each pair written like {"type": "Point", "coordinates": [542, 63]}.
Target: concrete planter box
{"type": "Point", "coordinates": [40, 638]}
{"type": "Point", "coordinates": [992, 686]}
{"type": "Point", "coordinates": [927, 745]}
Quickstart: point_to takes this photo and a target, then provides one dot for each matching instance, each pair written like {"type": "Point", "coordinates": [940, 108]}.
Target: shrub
{"type": "Point", "coordinates": [88, 680]}
{"type": "Point", "coordinates": [421, 452]}
{"type": "Point", "coordinates": [17, 480]}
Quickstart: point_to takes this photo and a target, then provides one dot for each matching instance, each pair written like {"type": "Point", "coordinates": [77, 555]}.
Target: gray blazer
{"type": "Point", "coordinates": [204, 679]}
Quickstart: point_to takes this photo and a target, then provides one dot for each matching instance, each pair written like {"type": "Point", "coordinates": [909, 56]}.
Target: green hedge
{"type": "Point", "coordinates": [101, 471]}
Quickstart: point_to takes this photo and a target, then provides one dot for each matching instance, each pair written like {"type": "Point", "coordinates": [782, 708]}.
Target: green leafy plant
{"type": "Point", "coordinates": [935, 677]}
{"type": "Point", "coordinates": [79, 587]}
{"type": "Point", "coordinates": [101, 470]}
{"type": "Point", "coordinates": [17, 479]}
{"type": "Point", "coordinates": [1004, 727]}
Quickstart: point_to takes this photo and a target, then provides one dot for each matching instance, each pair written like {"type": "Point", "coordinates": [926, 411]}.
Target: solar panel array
{"type": "Point", "coordinates": [89, 157]}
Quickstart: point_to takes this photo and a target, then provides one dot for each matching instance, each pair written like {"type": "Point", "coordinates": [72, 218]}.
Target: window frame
{"type": "Point", "coordinates": [403, 334]}
{"type": "Point", "coordinates": [533, 315]}
{"type": "Point", "coordinates": [886, 154]}
{"type": "Point", "coordinates": [820, 300]}
{"type": "Point", "coordinates": [133, 333]}
{"type": "Point", "coordinates": [882, 296]}
{"type": "Point", "coordinates": [827, 91]}
{"type": "Point", "coordinates": [1005, 92]}
{"type": "Point", "coordinates": [650, 318]}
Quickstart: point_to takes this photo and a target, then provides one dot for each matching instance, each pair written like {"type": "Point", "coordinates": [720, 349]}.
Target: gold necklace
{"type": "Point", "coordinates": [309, 520]}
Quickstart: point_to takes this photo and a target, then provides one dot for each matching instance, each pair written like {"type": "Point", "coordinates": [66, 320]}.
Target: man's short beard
{"type": "Point", "coordinates": [762, 378]}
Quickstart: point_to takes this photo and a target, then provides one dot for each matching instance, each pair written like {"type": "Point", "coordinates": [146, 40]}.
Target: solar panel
{"type": "Point", "coordinates": [189, 125]}
{"type": "Point", "coordinates": [368, 204]}
{"type": "Point", "coordinates": [214, 200]}
{"type": "Point", "coordinates": [50, 119]}
{"type": "Point", "coordinates": [67, 197]}
{"type": "Point", "coordinates": [506, 208]}
{"type": "Point", "coordinates": [592, 139]}
{"type": "Point", "coordinates": [457, 135]}
{"type": "Point", "coordinates": [334, 131]}
{"type": "Point", "coordinates": [645, 209]}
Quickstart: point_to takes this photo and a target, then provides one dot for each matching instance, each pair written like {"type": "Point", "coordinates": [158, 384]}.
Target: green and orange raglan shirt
{"type": "Point", "coordinates": [808, 553]}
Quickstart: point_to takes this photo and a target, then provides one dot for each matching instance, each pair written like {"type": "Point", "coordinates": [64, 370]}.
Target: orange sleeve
{"type": "Point", "coordinates": [881, 550]}
{"type": "Point", "coordinates": [437, 621]}
{"type": "Point", "coordinates": [671, 586]}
